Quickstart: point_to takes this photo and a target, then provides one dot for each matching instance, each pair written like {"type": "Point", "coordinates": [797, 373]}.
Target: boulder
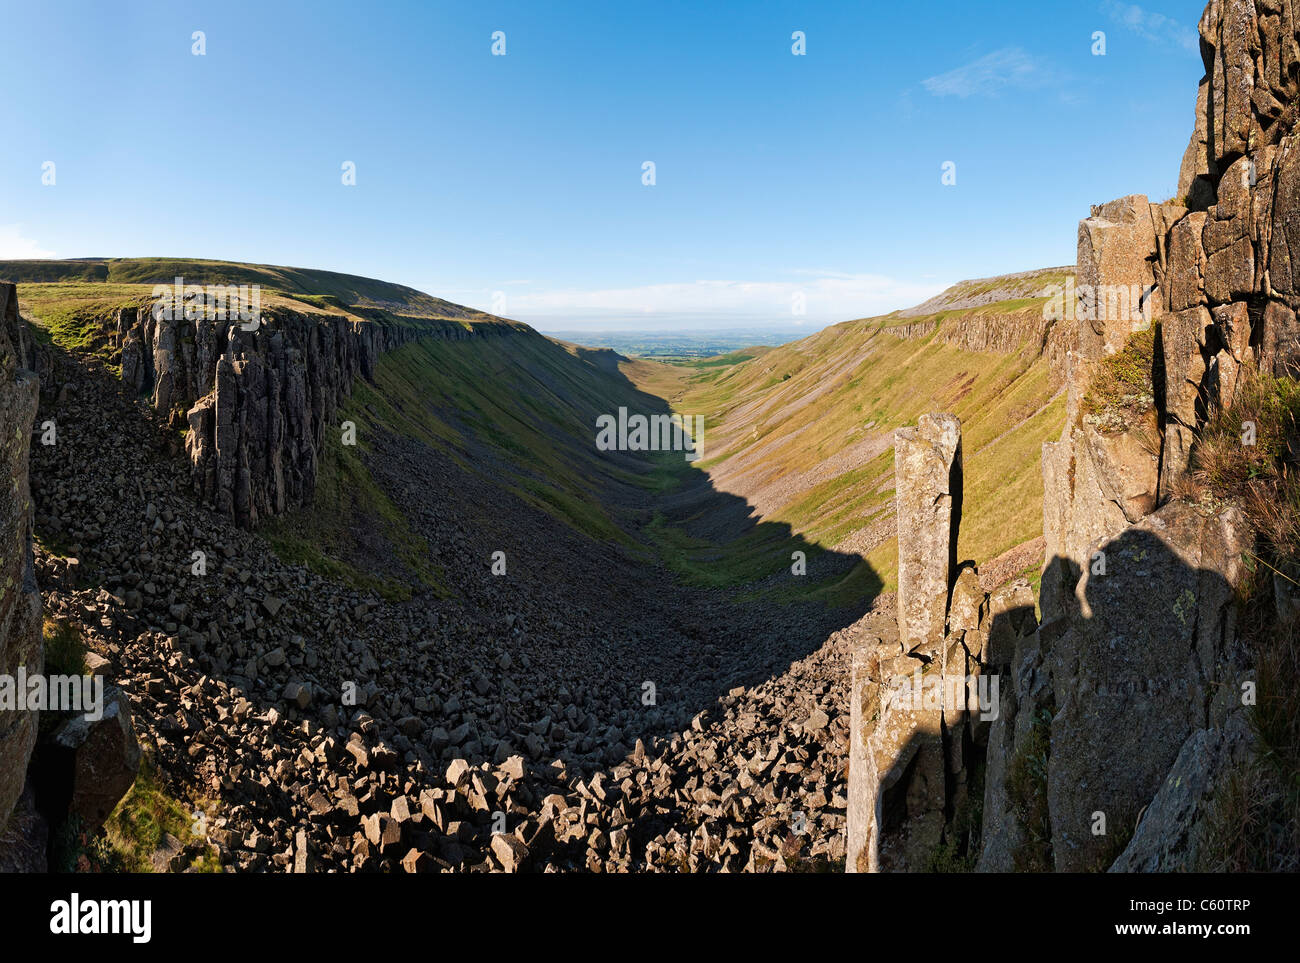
{"type": "Point", "coordinates": [103, 757]}
{"type": "Point", "coordinates": [510, 852]}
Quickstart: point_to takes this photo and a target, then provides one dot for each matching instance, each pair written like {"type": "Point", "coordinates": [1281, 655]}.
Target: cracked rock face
{"type": "Point", "coordinates": [258, 403]}
{"type": "Point", "coordinates": [20, 600]}
{"type": "Point", "coordinates": [1136, 674]}
{"type": "Point", "coordinates": [921, 695]}
{"type": "Point", "coordinates": [1137, 666]}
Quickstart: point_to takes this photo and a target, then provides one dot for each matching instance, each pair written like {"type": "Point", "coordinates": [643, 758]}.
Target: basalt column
{"type": "Point", "coordinates": [897, 787]}
{"type": "Point", "coordinates": [927, 483]}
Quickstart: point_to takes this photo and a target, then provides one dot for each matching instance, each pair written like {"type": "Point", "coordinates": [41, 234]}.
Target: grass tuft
{"type": "Point", "coordinates": [1254, 822]}
{"type": "Point", "coordinates": [1027, 793]}
{"type": "Point", "coordinates": [1263, 476]}
{"type": "Point", "coordinates": [1125, 385]}
{"type": "Point", "coordinates": [145, 817]}
{"type": "Point", "coordinates": [65, 649]}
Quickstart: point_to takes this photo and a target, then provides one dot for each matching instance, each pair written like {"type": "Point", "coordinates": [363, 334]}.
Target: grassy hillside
{"type": "Point", "coordinates": [797, 450]}
{"type": "Point", "coordinates": [804, 432]}
{"type": "Point", "coordinates": [328, 290]}
{"type": "Point", "coordinates": [514, 415]}
{"type": "Point", "coordinates": [522, 411]}
{"type": "Point", "coordinates": [75, 302]}
{"type": "Point", "coordinates": [989, 291]}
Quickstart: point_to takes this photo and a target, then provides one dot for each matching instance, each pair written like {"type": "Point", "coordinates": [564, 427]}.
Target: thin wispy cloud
{"type": "Point", "coordinates": [1155, 27]}
{"type": "Point", "coordinates": [15, 247]}
{"type": "Point", "coordinates": [1008, 68]}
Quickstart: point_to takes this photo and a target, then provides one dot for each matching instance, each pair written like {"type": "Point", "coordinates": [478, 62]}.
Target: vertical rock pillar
{"type": "Point", "coordinates": [927, 496]}
{"type": "Point", "coordinates": [898, 792]}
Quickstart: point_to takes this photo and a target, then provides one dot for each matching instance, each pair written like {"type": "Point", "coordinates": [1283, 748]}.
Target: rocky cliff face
{"type": "Point", "coordinates": [257, 403]}
{"type": "Point", "coordinates": [1121, 714]}
{"type": "Point", "coordinates": [997, 332]}
{"type": "Point", "coordinates": [20, 600]}
{"type": "Point", "coordinates": [1001, 315]}
{"type": "Point", "coordinates": [1133, 686]}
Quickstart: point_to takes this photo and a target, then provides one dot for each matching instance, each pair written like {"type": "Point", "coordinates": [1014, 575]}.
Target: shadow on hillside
{"type": "Point", "coordinates": [588, 624]}
{"type": "Point", "coordinates": [720, 613]}
{"type": "Point", "coordinates": [1096, 705]}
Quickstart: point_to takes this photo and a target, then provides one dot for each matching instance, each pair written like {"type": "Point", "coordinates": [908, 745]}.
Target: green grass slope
{"type": "Point", "coordinates": [800, 435]}
{"type": "Point", "coordinates": [804, 432]}
{"type": "Point", "coordinates": [517, 410]}
{"type": "Point", "coordinates": [324, 289]}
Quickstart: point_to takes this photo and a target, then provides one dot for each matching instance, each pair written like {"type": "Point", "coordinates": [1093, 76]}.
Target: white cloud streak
{"type": "Point", "coordinates": [1155, 27]}
{"type": "Point", "coordinates": [1010, 67]}
{"type": "Point", "coordinates": [15, 247]}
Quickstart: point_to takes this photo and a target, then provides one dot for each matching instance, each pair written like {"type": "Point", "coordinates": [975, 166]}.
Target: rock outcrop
{"type": "Point", "coordinates": [1018, 312]}
{"type": "Point", "coordinates": [920, 699]}
{"type": "Point", "coordinates": [994, 332]}
{"type": "Point", "coordinates": [1125, 709]}
{"type": "Point", "coordinates": [1150, 661]}
{"type": "Point", "coordinates": [20, 600]}
{"type": "Point", "coordinates": [257, 403]}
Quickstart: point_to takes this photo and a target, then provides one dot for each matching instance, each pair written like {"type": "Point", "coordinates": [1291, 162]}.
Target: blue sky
{"type": "Point", "coordinates": [519, 178]}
